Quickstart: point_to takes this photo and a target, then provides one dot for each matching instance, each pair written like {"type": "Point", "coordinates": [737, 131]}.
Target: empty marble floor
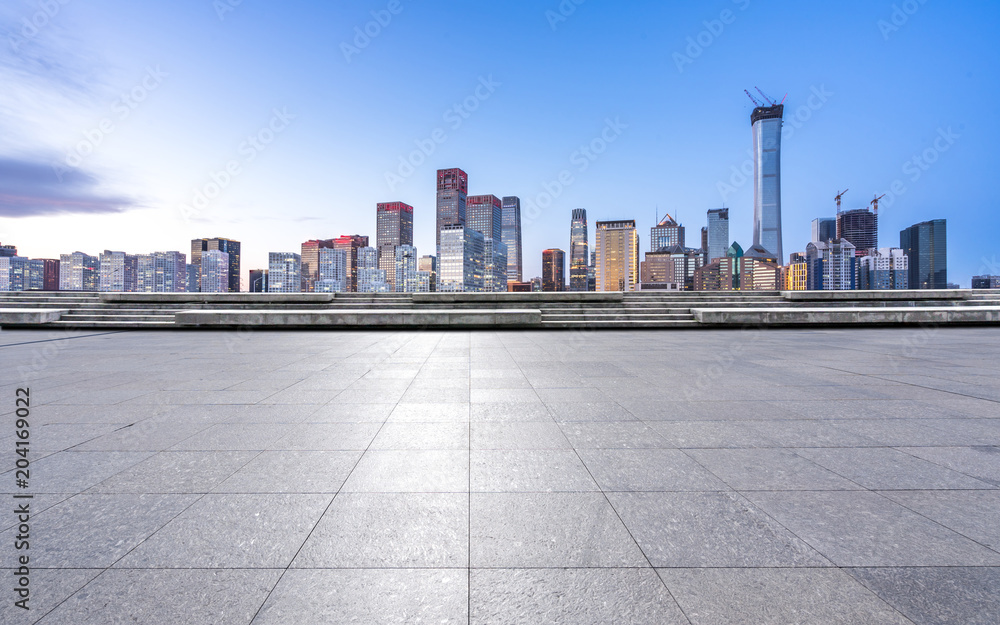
{"type": "Point", "coordinates": [703, 477]}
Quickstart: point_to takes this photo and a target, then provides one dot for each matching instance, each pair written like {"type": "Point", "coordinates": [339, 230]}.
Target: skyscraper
{"type": "Point", "coordinates": [926, 245]}
{"type": "Point", "coordinates": [370, 279]}
{"type": "Point", "coordinates": [284, 272]}
{"type": "Point", "coordinates": [579, 251]}
{"type": "Point", "coordinates": [484, 214]}
{"type": "Point", "coordinates": [198, 246]}
{"type": "Point", "coordinates": [351, 244]}
{"type": "Point", "coordinates": [332, 271]}
{"type": "Point", "coordinates": [553, 268]}
{"type": "Point", "coordinates": [452, 193]}
{"type": "Point", "coordinates": [667, 233]}
{"type": "Point", "coordinates": [617, 255]}
{"type": "Point", "coordinates": [428, 265]}
{"type": "Point", "coordinates": [495, 269]}
{"type": "Point", "coordinates": [766, 121]}
{"type": "Point", "coordinates": [405, 279]}
{"type": "Point", "coordinates": [511, 237]}
{"type": "Point", "coordinates": [394, 227]}
{"type": "Point", "coordinates": [117, 272]}
{"type": "Point", "coordinates": [310, 262]}
{"type": "Point", "coordinates": [461, 264]}
{"type": "Point", "coordinates": [161, 272]}
{"type": "Point", "coordinates": [831, 265]}
{"type": "Point", "coordinates": [860, 227]}
{"type": "Point", "coordinates": [718, 233]}
{"type": "Point", "coordinates": [79, 272]}
{"type": "Point", "coordinates": [15, 273]}
{"type": "Point", "coordinates": [884, 269]}
{"type": "Point", "coordinates": [214, 272]}
{"type": "Point", "coordinates": [824, 229]}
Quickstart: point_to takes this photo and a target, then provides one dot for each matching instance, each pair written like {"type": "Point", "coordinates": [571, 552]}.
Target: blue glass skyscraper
{"type": "Point", "coordinates": [766, 122]}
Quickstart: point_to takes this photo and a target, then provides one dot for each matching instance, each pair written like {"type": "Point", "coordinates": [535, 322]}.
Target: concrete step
{"type": "Point", "coordinates": [125, 318]}
{"type": "Point", "coordinates": [617, 317]}
{"type": "Point", "coordinates": [634, 325]}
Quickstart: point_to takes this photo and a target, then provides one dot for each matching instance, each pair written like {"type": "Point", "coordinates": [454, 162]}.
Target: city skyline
{"type": "Point", "coordinates": [315, 172]}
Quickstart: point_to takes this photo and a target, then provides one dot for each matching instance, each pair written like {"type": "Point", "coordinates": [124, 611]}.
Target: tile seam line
{"type": "Point", "coordinates": [612, 506]}
{"type": "Point", "coordinates": [333, 499]}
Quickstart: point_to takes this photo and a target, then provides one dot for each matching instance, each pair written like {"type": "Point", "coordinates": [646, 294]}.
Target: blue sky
{"type": "Point", "coordinates": [114, 115]}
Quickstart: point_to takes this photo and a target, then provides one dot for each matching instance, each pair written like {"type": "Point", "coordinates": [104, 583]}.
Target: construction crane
{"type": "Point", "coordinates": [875, 203]}
{"type": "Point", "coordinates": [752, 99]}
{"type": "Point", "coordinates": [766, 99]}
{"type": "Point", "coordinates": [839, 197]}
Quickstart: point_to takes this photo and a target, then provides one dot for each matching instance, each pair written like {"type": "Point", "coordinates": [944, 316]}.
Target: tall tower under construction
{"type": "Point", "coordinates": [766, 122]}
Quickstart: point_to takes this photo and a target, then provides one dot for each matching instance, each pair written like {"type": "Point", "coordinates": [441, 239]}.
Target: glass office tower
{"type": "Point", "coordinates": [579, 251]}
{"type": "Point", "coordinates": [766, 122]}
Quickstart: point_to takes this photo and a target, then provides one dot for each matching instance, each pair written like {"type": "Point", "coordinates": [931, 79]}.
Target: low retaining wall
{"type": "Point", "coordinates": [359, 319]}
{"type": "Point", "coordinates": [852, 316]}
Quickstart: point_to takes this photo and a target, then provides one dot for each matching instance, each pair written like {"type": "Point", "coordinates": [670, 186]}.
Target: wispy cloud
{"type": "Point", "coordinates": [30, 188]}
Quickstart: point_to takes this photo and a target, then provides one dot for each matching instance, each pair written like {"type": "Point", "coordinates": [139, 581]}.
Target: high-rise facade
{"type": "Point", "coordinates": [926, 246]}
{"type": "Point", "coordinates": [831, 265]}
{"type": "Point", "coordinates": [230, 247]}
{"type": "Point", "coordinates": [579, 251]}
{"type": "Point", "coordinates": [284, 272]}
{"type": "Point", "coordinates": [452, 194]}
{"type": "Point", "coordinates": [860, 227]}
{"type": "Point", "coordinates": [258, 280]}
{"type": "Point", "coordinates": [484, 213]}
{"type": "Point", "coordinates": [310, 262]}
{"type": "Point", "coordinates": [797, 272]}
{"type": "Point", "coordinates": [824, 229]}
{"type": "Point", "coordinates": [428, 264]}
{"type": "Point", "coordinates": [14, 273]}
{"type": "Point", "coordinates": [8, 251]}
{"type": "Point", "coordinates": [161, 272]}
{"type": "Point", "coordinates": [511, 237]}
{"type": "Point", "coordinates": [495, 269]}
{"type": "Point", "coordinates": [351, 244]}
{"type": "Point", "coordinates": [118, 272]}
{"type": "Point", "coordinates": [667, 233]}
{"type": "Point", "coordinates": [739, 272]}
{"type": "Point", "coordinates": [393, 228]}
{"type": "Point", "coordinates": [332, 275]}
{"type": "Point", "coordinates": [553, 277]}
{"type": "Point", "coordinates": [671, 267]}
{"type": "Point", "coordinates": [371, 279]}
{"type": "Point", "coordinates": [617, 263]}
{"type": "Point", "coordinates": [884, 269]}
{"type": "Point", "coordinates": [79, 272]}
{"type": "Point", "coordinates": [405, 279]}
{"type": "Point", "coordinates": [461, 263]}
{"type": "Point", "coordinates": [986, 282]}
{"type": "Point", "coordinates": [766, 122]}
{"type": "Point", "coordinates": [718, 233]}
{"type": "Point", "coordinates": [214, 272]}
